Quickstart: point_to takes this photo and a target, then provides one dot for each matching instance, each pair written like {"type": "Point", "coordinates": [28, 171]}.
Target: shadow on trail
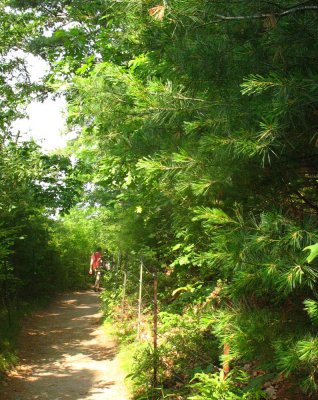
{"type": "Point", "coordinates": [62, 355]}
{"type": "Point", "coordinates": [54, 386]}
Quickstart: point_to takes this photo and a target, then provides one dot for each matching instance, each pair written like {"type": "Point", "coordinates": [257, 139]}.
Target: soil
{"type": "Point", "coordinates": [65, 355]}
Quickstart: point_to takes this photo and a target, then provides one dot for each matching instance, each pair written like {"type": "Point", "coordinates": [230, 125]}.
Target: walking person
{"type": "Point", "coordinates": [95, 267]}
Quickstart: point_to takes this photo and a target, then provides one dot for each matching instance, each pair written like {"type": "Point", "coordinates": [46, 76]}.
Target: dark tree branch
{"type": "Point", "coordinates": [293, 191]}
{"type": "Point", "coordinates": [305, 200]}
{"type": "Point", "coordinates": [267, 15]}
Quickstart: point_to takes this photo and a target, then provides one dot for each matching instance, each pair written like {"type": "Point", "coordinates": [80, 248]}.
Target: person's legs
{"type": "Point", "coordinates": [97, 281]}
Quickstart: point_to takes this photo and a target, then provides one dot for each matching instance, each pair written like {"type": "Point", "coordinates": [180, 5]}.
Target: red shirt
{"type": "Point", "coordinates": [95, 259]}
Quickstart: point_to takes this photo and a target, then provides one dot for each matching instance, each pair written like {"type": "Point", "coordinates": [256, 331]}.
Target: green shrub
{"type": "Point", "coordinates": [215, 387]}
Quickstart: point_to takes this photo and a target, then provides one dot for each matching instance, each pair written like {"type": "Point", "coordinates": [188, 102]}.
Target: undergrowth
{"type": "Point", "coordinates": [185, 353]}
{"type": "Point", "coordinates": [188, 361]}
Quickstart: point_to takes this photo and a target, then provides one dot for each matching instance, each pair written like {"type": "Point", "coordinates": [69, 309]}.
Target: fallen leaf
{"type": "Point", "coordinates": [157, 12]}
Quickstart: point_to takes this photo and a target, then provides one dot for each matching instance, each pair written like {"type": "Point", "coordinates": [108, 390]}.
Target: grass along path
{"type": "Point", "coordinates": [65, 355]}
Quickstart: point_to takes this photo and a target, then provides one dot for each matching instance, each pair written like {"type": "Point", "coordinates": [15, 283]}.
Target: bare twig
{"type": "Point", "coordinates": [307, 201]}
{"type": "Point", "coordinates": [140, 300]}
{"type": "Point", "coordinates": [267, 15]}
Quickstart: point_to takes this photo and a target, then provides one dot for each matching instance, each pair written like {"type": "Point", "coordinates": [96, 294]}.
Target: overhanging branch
{"type": "Point", "coordinates": [267, 15]}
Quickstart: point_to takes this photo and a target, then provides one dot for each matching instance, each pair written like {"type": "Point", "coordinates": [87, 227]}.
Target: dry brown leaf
{"type": "Point", "coordinates": [270, 21]}
{"type": "Point", "coordinates": [157, 12]}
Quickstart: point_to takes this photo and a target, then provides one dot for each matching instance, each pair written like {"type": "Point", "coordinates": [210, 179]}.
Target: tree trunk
{"type": "Point", "coordinates": [124, 295]}
{"type": "Point", "coordinates": [118, 264]}
{"type": "Point", "coordinates": [6, 296]}
{"type": "Point", "coordinates": [155, 328]}
{"type": "Point", "coordinates": [140, 300]}
{"type": "Point", "coordinates": [226, 365]}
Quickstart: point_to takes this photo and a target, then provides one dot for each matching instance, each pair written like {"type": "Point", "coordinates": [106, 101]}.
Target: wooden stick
{"type": "Point", "coordinates": [155, 327]}
{"type": "Point", "coordinates": [118, 261]}
{"type": "Point", "coordinates": [124, 295]}
{"type": "Point", "coordinates": [267, 15]}
{"type": "Point", "coordinates": [140, 300]}
{"type": "Point", "coordinates": [226, 365]}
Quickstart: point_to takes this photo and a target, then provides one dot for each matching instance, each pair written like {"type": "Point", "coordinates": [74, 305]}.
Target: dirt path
{"type": "Point", "coordinates": [65, 355]}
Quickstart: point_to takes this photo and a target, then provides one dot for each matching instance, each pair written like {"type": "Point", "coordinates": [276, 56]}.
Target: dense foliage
{"type": "Point", "coordinates": [197, 138]}
{"type": "Point", "coordinates": [34, 189]}
{"type": "Point", "coordinates": [33, 186]}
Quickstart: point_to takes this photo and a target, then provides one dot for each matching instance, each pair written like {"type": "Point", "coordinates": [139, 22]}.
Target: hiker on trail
{"type": "Point", "coordinates": [96, 266]}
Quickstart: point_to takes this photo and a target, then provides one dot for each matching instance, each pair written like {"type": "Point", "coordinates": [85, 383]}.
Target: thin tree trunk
{"type": "Point", "coordinates": [125, 268]}
{"type": "Point", "coordinates": [139, 300]}
{"type": "Point", "coordinates": [6, 293]}
{"type": "Point", "coordinates": [226, 365]}
{"type": "Point", "coordinates": [124, 295]}
{"type": "Point", "coordinates": [118, 261]}
{"type": "Point", "coordinates": [155, 328]}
